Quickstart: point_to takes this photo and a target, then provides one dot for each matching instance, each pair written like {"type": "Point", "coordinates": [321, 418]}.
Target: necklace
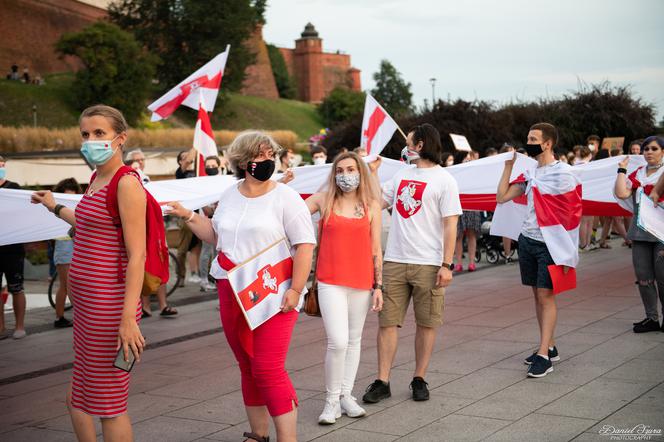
{"type": "Point", "coordinates": [656, 166]}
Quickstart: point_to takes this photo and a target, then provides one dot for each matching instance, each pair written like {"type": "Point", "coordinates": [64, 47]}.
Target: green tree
{"type": "Point", "coordinates": [285, 83]}
{"type": "Point", "coordinates": [116, 72]}
{"type": "Point", "coordinates": [340, 105]}
{"type": "Point", "coordinates": [186, 34]}
{"type": "Point", "coordinates": [391, 91]}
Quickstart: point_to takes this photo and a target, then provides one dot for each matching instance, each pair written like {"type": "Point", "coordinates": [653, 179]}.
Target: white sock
{"type": "Point", "coordinates": [544, 356]}
{"type": "Point", "coordinates": [550, 348]}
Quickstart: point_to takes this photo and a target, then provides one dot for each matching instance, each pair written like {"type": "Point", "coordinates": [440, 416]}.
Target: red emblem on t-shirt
{"type": "Point", "coordinates": [409, 197]}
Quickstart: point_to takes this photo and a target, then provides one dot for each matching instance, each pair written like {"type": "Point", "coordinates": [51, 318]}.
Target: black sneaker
{"type": "Point", "coordinates": [62, 322]}
{"type": "Point", "coordinates": [376, 392]}
{"type": "Point", "coordinates": [553, 356]}
{"type": "Point", "coordinates": [420, 390]}
{"type": "Point", "coordinates": [540, 367]}
{"type": "Point", "coordinates": [640, 322]}
{"type": "Point", "coordinates": [646, 326]}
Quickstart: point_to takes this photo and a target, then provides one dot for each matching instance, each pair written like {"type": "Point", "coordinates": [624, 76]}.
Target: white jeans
{"type": "Point", "coordinates": [344, 310]}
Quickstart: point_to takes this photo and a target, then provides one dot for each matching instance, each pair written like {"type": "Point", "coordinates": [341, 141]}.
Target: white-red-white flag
{"type": "Point", "coordinates": [377, 127]}
{"type": "Point", "coordinates": [203, 138]}
{"type": "Point", "coordinates": [206, 80]}
{"type": "Point", "coordinates": [260, 283]}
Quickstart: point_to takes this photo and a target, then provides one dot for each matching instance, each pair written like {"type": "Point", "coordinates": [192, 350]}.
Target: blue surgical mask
{"type": "Point", "coordinates": [98, 152]}
{"type": "Point", "coordinates": [3, 173]}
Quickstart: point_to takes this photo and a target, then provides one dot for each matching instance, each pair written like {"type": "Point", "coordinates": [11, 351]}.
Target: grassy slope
{"type": "Point", "coordinates": [55, 109]}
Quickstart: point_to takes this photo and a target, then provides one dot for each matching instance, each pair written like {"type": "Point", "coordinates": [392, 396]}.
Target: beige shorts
{"type": "Point", "coordinates": [403, 281]}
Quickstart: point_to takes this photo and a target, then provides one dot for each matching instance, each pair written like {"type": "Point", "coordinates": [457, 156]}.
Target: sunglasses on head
{"type": "Point", "coordinates": [650, 148]}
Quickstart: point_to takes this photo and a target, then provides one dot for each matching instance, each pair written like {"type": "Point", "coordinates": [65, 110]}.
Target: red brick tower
{"type": "Point", "coordinates": [308, 58]}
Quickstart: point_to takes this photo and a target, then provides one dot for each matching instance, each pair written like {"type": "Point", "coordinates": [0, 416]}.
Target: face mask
{"type": "Point", "coordinates": [211, 171]}
{"type": "Point", "coordinates": [533, 150]}
{"type": "Point", "coordinates": [319, 161]}
{"type": "Point", "coordinates": [408, 156]}
{"type": "Point", "coordinates": [261, 170]}
{"type": "Point", "coordinates": [98, 152]}
{"type": "Point", "coordinates": [348, 183]}
{"type": "Point", "coordinates": [3, 173]}
{"type": "Point", "coordinates": [291, 163]}
{"type": "Point", "coordinates": [591, 147]}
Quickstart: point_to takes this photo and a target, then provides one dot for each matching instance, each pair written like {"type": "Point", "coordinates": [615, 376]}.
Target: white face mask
{"type": "Point", "coordinates": [319, 161]}
{"type": "Point", "coordinates": [591, 147]}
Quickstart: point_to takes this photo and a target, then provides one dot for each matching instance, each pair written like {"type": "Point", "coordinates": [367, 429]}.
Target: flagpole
{"type": "Point", "coordinates": [401, 132]}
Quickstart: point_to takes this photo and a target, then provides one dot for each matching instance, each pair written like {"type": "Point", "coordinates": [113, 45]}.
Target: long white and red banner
{"type": "Point", "coordinates": [477, 180]}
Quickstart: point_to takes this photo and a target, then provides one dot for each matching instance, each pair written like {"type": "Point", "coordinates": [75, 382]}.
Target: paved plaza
{"type": "Point", "coordinates": [188, 386]}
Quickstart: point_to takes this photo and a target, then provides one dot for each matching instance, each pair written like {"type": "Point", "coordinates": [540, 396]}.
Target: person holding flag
{"type": "Point", "coordinates": [418, 257]}
{"type": "Point", "coordinates": [549, 234]}
{"type": "Point", "coordinates": [250, 217]}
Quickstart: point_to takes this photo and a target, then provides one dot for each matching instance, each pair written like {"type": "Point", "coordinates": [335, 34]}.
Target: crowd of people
{"type": "Point", "coordinates": [424, 249]}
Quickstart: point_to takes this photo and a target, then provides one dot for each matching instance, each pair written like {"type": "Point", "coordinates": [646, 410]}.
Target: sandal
{"type": "Point", "coordinates": [146, 314]}
{"type": "Point", "coordinates": [255, 437]}
{"type": "Point", "coordinates": [168, 311]}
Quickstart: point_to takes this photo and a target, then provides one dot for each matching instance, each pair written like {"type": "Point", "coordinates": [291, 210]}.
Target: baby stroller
{"type": "Point", "coordinates": [491, 246]}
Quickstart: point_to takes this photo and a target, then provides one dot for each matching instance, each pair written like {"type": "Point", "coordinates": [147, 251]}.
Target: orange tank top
{"type": "Point", "coordinates": [344, 252]}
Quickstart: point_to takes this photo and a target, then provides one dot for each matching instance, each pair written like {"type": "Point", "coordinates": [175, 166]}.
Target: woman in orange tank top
{"type": "Point", "coordinates": [349, 273]}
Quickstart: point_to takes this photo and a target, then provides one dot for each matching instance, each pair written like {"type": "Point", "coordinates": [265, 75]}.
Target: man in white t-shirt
{"type": "Point", "coordinates": [534, 255]}
{"type": "Point", "coordinates": [418, 258]}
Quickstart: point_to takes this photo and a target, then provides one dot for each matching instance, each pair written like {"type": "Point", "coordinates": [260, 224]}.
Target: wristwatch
{"type": "Point", "coordinates": [378, 286]}
{"type": "Point", "coordinates": [449, 266]}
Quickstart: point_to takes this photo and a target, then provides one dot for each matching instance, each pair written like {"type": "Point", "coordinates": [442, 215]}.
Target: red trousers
{"type": "Point", "coordinates": [265, 381]}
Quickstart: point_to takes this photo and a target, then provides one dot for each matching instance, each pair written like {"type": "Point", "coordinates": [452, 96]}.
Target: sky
{"type": "Point", "coordinates": [500, 50]}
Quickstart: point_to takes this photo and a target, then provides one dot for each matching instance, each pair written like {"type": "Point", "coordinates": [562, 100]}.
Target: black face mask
{"type": "Point", "coordinates": [211, 171]}
{"type": "Point", "coordinates": [261, 170]}
{"type": "Point", "coordinates": [533, 150]}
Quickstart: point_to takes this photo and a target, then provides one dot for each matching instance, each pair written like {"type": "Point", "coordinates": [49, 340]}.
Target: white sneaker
{"type": "Point", "coordinates": [207, 286]}
{"type": "Point", "coordinates": [331, 413]}
{"type": "Point", "coordinates": [194, 279]}
{"type": "Point", "coordinates": [350, 408]}
{"type": "Point", "coordinates": [19, 334]}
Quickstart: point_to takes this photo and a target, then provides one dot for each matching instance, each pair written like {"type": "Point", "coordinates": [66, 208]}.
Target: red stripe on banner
{"type": "Point", "coordinates": [560, 209]}
{"type": "Point", "coordinates": [166, 109]}
{"type": "Point", "coordinates": [376, 119]}
{"type": "Point", "coordinates": [602, 208]}
{"type": "Point", "coordinates": [485, 201]}
{"type": "Point", "coordinates": [204, 118]}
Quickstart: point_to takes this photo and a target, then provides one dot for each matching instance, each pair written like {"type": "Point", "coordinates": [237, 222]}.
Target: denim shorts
{"type": "Point", "coordinates": [64, 249]}
{"type": "Point", "coordinates": [534, 259]}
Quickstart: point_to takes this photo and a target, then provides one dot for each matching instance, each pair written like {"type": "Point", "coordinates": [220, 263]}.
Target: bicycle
{"type": "Point", "coordinates": [174, 270]}
{"type": "Point", "coordinates": [53, 287]}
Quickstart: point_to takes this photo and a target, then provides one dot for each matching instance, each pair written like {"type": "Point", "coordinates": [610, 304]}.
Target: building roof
{"type": "Point", "coordinates": [309, 31]}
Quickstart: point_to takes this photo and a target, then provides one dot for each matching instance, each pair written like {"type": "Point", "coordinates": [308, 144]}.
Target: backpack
{"type": "Point", "coordinates": [156, 250]}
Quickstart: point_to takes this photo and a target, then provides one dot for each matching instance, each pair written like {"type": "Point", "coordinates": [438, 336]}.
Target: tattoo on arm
{"type": "Point", "coordinates": [378, 269]}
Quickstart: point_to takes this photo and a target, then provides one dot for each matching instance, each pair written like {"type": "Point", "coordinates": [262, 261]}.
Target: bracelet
{"type": "Point", "coordinates": [190, 217]}
{"type": "Point", "coordinates": [622, 170]}
{"type": "Point", "coordinates": [57, 209]}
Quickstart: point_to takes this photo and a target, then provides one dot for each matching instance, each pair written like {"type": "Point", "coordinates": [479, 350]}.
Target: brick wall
{"type": "Point", "coordinates": [259, 80]}
{"type": "Point", "coordinates": [30, 29]}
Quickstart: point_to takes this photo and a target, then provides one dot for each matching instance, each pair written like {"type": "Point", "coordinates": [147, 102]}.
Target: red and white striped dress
{"type": "Point", "coordinates": [98, 388]}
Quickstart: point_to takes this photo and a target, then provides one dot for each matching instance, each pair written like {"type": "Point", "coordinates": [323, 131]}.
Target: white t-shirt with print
{"type": "Point", "coordinates": [420, 199]}
{"type": "Point", "coordinates": [245, 226]}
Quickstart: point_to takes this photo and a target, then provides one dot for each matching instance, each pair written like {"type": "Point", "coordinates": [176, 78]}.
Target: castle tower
{"type": "Point", "coordinates": [308, 61]}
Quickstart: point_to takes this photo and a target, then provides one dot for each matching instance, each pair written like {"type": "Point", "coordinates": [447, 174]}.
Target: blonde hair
{"type": "Point", "coordinates": [247, 146]}
{"type": "Point", "coordinates": [114, 116]}
{"type": "Point", "coordinates": [367, 192]}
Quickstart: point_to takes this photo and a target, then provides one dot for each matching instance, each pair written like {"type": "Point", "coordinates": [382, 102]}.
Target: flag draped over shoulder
{"type": "Point", "coordinates": [377, 127]}
{"type": "Point", "coordinates": [206, 81]}
{"type": "Point", "coordinates": [557, 196]}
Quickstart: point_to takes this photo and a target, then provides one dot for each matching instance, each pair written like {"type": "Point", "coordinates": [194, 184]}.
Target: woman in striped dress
{"type": "Point", "coordinates": [106, 300]}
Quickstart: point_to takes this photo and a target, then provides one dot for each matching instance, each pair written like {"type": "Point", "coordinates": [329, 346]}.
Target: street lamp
{"type": "Point", "coordinates": [432, 80]}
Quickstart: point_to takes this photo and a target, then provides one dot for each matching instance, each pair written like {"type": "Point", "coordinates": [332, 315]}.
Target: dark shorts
{"type": "Point", "coordinates": [11, 265]}
{"type": "Point", "coordinates": [534, 259]}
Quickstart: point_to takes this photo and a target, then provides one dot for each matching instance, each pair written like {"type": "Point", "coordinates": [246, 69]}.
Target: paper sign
{"type": "Point", "coordinates": [651, 217]}
{"type": "Point", "coordinates": [460, 142]}
{"type": "Point", "coordinates": [613, 143]}
{"type": "Point", "coordinates": [562, 281]}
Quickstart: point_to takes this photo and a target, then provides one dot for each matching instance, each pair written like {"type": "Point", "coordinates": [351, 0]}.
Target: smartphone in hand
{"type": "Point", "coordinates": [121, 363]}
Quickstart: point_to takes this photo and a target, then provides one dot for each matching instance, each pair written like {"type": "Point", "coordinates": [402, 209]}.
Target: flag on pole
{"type": "Point", "coordinates": [377, 127]}
{"type": "Point", "coordinates": [203, 138]}
{"type": "Point", "coordinates": [206, 80]}
{"type": "Point", "coordinates": [261, 282]}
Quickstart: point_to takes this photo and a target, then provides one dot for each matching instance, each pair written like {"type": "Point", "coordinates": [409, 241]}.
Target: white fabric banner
{"type": "Point", "coordinates": [651, 217]}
